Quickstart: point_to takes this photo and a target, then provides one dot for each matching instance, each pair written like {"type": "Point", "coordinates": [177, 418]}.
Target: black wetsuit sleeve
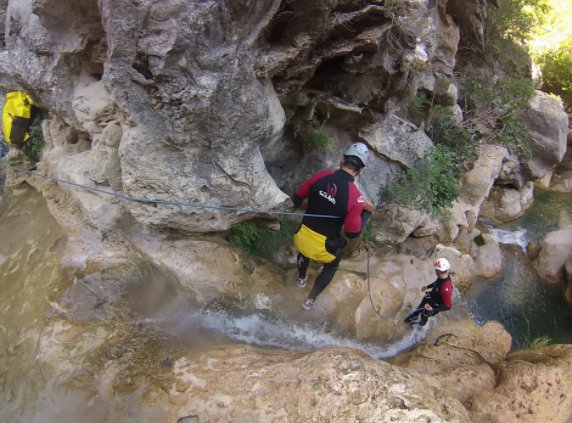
{"type": "Point", "coordinates": [297, 200]}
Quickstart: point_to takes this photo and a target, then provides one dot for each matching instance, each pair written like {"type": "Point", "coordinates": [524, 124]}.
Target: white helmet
{"type": "Point", "coordinates": [359, 150]}
{"type": "Point", "coordinates": [442, 265]}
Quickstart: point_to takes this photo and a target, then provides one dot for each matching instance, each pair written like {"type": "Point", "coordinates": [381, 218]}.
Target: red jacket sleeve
{"type": "Point", "coordinates": [353, 221]}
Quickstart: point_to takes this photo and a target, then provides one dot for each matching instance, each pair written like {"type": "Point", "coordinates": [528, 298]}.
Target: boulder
{"type": "Point", "coordinates": [453, 359]}
{"type": "Point", "coordinates": [555, 251]}
{"type": "Point", "coordinates": [547, 123]}
{"type": "Point", "coordinates": [488, 257]}
{"type": "Point", "coordinates": [326, 385]}
{"type": "Point", "coordinates": [506, 204]}
{"type": "Point", "coordinates": [532, 386]}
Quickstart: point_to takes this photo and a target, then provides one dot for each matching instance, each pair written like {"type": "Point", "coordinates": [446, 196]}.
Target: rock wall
{"type": "Point", "coordinates": [196, 101]}
{"type": "Point", "coordinates": [214, 103]}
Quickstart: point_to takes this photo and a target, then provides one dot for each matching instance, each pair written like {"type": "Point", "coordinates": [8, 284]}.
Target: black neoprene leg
{"type": "Point", "coordinates": [324, 278]}
{"type": "Point", "coordinates": [303, 262]}
{"type": "Point", "coordinates": [418, 311]}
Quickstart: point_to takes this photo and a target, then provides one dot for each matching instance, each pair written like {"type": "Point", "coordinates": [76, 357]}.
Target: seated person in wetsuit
{"type": "Point", "coordinates": [438, 298]}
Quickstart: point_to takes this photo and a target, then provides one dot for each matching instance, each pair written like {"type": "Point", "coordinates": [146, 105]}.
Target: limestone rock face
{"type": "Point", "coordinates": [506, 204]}
{"type": "Point", "coordinates": [555, 250]}
{"type": "Point", "coordinates": [561, 179]}
{"type": "Point", "coordinates": [196, 102]}
{"type": "Point", "coordinates": [532, 386]}
{"type": "Point", "coordinates": [526, 386]}
{"type": "Point", "coordinates": [454, 359]}
{"type": "Point", "coordinates": [554, 258]}
{"type": "Point", "coordinates": [283, 387]}
{"type": "Point", "coordinates": [547, 122]}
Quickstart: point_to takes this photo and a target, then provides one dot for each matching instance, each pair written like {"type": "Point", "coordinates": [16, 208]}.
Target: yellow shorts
{"type": "Point", "coordinates": [312, 245]}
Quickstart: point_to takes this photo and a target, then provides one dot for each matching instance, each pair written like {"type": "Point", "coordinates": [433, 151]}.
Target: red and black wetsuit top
{"type": "Point", "coordinates": [440, 295]}
{"type": "Point", "coordinates": [333, 193]}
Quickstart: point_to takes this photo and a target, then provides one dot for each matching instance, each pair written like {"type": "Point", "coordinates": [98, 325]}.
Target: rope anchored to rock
{"type": "Point", "coordinates": [165, 202]}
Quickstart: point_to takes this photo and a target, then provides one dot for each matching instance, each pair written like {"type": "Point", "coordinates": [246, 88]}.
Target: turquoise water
{"type": "Point", "coordinates": [528, 308]}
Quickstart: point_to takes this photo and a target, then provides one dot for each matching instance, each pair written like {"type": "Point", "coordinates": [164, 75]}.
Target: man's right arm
{"type": "Point", "coordinates": [304, 191]}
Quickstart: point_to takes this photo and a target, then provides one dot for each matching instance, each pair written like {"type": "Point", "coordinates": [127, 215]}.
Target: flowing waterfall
{"type": "Point", "coordinates": [517, 237]}
{"type": "Point", "coordinates": [266, 331]}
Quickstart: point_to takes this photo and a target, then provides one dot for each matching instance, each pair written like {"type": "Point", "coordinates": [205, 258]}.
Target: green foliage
{"type": "Point", "coordinates": [512, 56]}
{"type": "Point", "coordinates": [461, 142]}
{"type": "Point", "coordinates": [514, 135]}
{"type": "Point", "coordinates": [420, 103]}
{"type": "Point", "coordinates": [309, 134]}
{"type": "Point", "coordinates": [556, 67]}
{"type": "Point", "coordinates": [34, 147]}
{"type": "Point", "coordinates": [540, 342]}
{"type": "Point", "coordinates": [479, 240]}
{"type": "Point", "coordinates": [517, 19]}
{"type": "Point", "coordinates": [508, 31]}
{"type": "Point", "coordinates": [317, 141]}
{"type": "Point", "coordinates": [257, 241]}
{"type": "Point", "coordinates": [431, 187]}
{"type": "Point", "coordinates": [501, 95]}
{"type": "Point", "coordinates": [498, 104]}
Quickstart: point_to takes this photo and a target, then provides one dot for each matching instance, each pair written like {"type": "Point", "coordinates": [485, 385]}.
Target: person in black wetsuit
{"type": "Point", "coordinates": [438, 298]}
{"type": "Point", "coordinates": [331, 193]}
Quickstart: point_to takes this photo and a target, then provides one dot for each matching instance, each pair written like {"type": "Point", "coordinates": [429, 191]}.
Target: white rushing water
{"type": "Point", "coordinates": [270, 332]}
{"type": "Point", "coordinates": [517, 237]}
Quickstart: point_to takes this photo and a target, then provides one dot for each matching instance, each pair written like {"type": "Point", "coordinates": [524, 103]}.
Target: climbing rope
{"type": "Point", "coordinates": [367, 248]}
{"type": "Point", "coordinates": [166, 202]}
{"type": "Point", "coordinates": [367, 245]}
{"type": "Point", "coordinates": [2, 183]}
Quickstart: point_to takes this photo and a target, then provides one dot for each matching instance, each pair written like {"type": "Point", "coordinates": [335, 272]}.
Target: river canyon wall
{"type": "Point", "coordinates": [214, 103]}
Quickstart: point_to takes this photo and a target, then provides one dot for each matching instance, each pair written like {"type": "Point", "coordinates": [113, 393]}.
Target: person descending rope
{"type": "Point", "coordinates": [330, 193]}
{"type": "Point", "coordinates": [17, 117]}
{"type": "Point", "coordinates": [438, 298]}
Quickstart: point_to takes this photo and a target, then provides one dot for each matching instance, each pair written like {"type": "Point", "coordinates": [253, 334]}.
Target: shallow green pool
{"type": "Point", "coordinates": [529, 309]}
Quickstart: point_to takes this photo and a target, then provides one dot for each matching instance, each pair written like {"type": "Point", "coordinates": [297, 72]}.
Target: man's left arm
{"type": "Point", "coordinates": [357, 218]}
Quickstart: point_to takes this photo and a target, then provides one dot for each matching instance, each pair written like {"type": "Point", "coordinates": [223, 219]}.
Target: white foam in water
{"type": "Point", "coordinates": [517, 237]}
{"type": "Point", "coordinates": [258, 330]}
{"type": "Point", "coordinates": [264, 331]}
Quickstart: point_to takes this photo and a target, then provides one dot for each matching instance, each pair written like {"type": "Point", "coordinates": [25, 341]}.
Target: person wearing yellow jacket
{"type": "Point", "coordinates": [17, 116]}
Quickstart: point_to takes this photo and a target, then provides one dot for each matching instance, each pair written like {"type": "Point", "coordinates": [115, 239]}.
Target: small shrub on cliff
{"type": "Point", "coordinates": [309, 135]}
{"type": "Point", "coordinates": [34, 147]}
{"type": "Point", "coordinates": [496, 105]}
{"type": "Point", "coordinates": [460, 140]}
{"type": "Point", "coordinates": [317, 141]}
{"type": "Point", "coordinates": [431, 187]}
{"type": "Point", "coordinates": [258, 241]}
